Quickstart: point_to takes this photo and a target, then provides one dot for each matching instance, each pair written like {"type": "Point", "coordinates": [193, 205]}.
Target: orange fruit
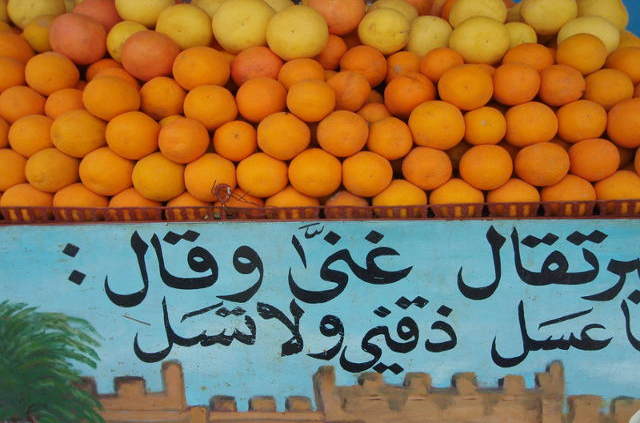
{"type": "Point", "coordinates": [116, 73]}
{"type": "Point", "coordinates": [311, 100]}
{"type": "Point", "coordinates": [467, 87]}
{"type": "Point", "coordinates": [328, 74]}
{"type": "Point", "coordinates": [627, 60]}
{"type": "Point", "coordinates": [25, 195]}
{"type": "Point", "coordinates": [486, 125]}
{"type": "Point", "coordinates": [330, 56]}
{"type": "Point", "coordinates": [203, 175]}
{"type": "Point", "coordinates": [636, 93]}
{"type": "Point", "coordinates": [99, 66]}
{"type": "Point", "coordinates": [402, 194]}
{"type": "Point", "coordinates": [623, 125]}
{"type": "Point", "coordinates": [78, 196]}
{"type": "Point", "coordinates": [315, 173]}
{"type": "Point", "coordinates": [343, 133]}
{"type": "Point", "coordinates": [105, 173]}
{"type": "Point", "coordinates": [211, 105]}
{"type": "Point", "coordinates": [456, 191]}
{"type": "Point", "coordinates": [608, 87]}
{"type": "Point", "coordinates": [365, 60]}
{"type": "Point", "coordinates": [513, 191]}
{"type": "Point", "coordinates": [581, 120]}
{"type": "Point", "coordinates": [50, 170]}
{"type": "Point", "coordinates": [584, 52]}
{"type": "Point", "coordinates": [427, 167]}
{"type": "Point", "coordinates": [255, 62]}
{"type": "Point", "coordinates": [622, 185]}
{"type": "Point", "coordinates": [148, 54]}
{"type": "Point", "coordinates": [78, 37]}
{"type": "Point", "coordinates": [260, 97]}
{"type": "Point", "coordinates": [283, 136]}
{"type": "Point", "coordinates": [561, 84]}
{"type": "Point", "coordinates": [343, 204]}
{"type": "Point", "coordinates": [531, 123]}
{"type": "Point", "coordinates": [516, 83]}
{"type": "Point", "coordinates": [390, 137]}
{"type": "Point", "coordinates": [374, 112]}
{"type": "Point", "coordinates": [49, 72]}
{"type": "Point", "coordinates": [289, 198]}
{"type": "Point", "coordinates": [570, 188]}
{"type": "Point", "coordinates": [11, 73]}
{"type": "Point", "coordinates": [455, 154]}
{"type": "Point", "coordinates": [535, 55]}
{"type": "Point", "coordinates": [4, 133]}
{"type": "Point", "coordinates": [542, 164]}
{"type": "Point", "coordinates": [405, 92]}
{"type": "Point", "coordinates": [197, 66]}
{"type": "Point", "coordinates": [626, 156]}
{"type": "Point", "coordinates": [131, 199]}
{"type": "Point", "coordinates": [366, 174]}
{"type": "Point", "coordinates": [262, 175]}
{"type": "Point", "coordinates": [352, 90]}
{"type": "Point", "coordinates": [77, 133]}
{"type": "Point", "coordinates": [297, 70]}
{"type": "Point", "coordinates": [182, 208]}
{"type": "Point", "coordinates": [375, 97]}
{"type": "Point", "coordinates": [17, 102]}
{"type": "Point", "coordinates": [435, 63]}
{"type": "Point", "coordinates": [132, 135]}
{"type": "Point", "coordinates": [235, 140]}
{"type": "Point", "coordinates": [13, 165]}
{"type": "Point", "coordinates": [486, 167]}
{"type": "Point", "coordinates": [30, 134]}
{"type": "Point", "coordinates": [437, 124]}
{"type": "Point", "coordinates": [342, 16]}
{"type": "Point", "coordinates": [14, 46]}
{"type": "Point", "coordinates": [109, 97]}
{"type": "Point", "coordinates": [401, 63]}
{"type": "Point", "coordinates": [157, 178]}
{"type": "Point", "coordinates": [63, 101]}
{"type": "Point", "coordinates": [594, 159]}
{"type": "Point", "coordinates": [161, 97]}
{"type": "Point", "coordinates": [183, 140]}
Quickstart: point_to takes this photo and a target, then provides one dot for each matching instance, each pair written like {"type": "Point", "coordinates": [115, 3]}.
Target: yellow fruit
{"type": "Point", "coordinates": [548, 16]}
{"type": "Point", "coordinates": [521, 33]}
{"type": "Point", "coordinates": [187, 25]}
{"type": "Point", "coordinates": [21, 12]}
{"type": "Point", "coordinates": [209, 6]}
{"type": "Point", "coordinates": [278, 5]}
{"type": "Point", "coordinates": [428, 33]}
{"type": "Point", "coordinates": [50, 170]}
{"type": "Point", "coordinates": [296, 32]}
{"type": "Point", "coordinates": [157, 178]}
{"type": "Point", "coordinates": [513, 13]}
{"type": "Point", "coordinates": [36, 32]}
{"type": "Point", "coordinates": [77, 133]}
{"type": "Point", "coordinates": [240, 24]}
{"type": "Point", "coordinates": [119, 34]}
{"type": "Point", "coordinates": [401, 6]}
{"type": "Point", "coordinates": [465, 9]}
{"type": "Point", "coordinates": [203, 175]}
{"type": "Point", "coordinates": [480, 40]}
{"type": "Point", "coordinates": [105, 173]}
{"type": "Point", "coordinates": [12, 165]}
{"type": "Point", "coordinates": [612, 10]}
{"type": "Point", "coordinates": [594, 25]}
{"type": "Point", "coordinates": [145, 12]}
{"type": "Point", "coordinates": [385, 30]}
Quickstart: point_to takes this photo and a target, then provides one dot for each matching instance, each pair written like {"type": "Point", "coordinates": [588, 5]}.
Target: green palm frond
{"type": "Point", "coordinates": [37, 377]}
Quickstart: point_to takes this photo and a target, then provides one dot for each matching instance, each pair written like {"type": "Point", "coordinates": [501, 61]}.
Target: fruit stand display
{"type": "Point", "coordinates": [375, 128]}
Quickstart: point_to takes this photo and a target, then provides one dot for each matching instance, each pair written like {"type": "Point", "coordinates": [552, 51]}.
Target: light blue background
{"type": "Point", "coordinates": [34, 270]}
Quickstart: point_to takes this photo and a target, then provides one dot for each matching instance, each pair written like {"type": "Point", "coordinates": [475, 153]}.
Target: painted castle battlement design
{"type": "Point", "coordinates": [371, 401]}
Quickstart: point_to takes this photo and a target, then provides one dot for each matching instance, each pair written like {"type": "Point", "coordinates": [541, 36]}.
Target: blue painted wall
{"type": "Point", "coordinates": [34, 269]}
{"type": "Point", "coordinates": [634, 13]}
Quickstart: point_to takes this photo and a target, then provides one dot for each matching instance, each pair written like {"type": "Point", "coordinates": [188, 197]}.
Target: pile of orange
{"type": "Point", "coordinates": [162, 125]}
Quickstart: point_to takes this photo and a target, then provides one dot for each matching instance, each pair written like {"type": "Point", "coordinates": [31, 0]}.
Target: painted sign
{"type": "Point", "coordinates": [255, 308]}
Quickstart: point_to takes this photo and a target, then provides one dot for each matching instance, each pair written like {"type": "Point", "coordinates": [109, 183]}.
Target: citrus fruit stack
{"type": "Point", "coordinates": [120, 103]}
